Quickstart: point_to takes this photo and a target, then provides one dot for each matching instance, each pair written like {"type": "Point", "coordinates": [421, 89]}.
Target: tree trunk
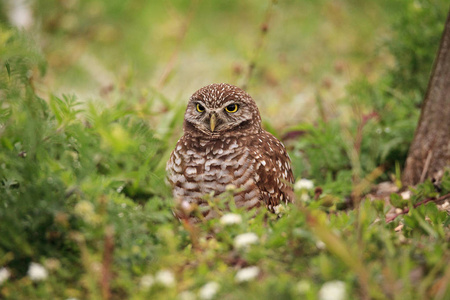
{"type": "Point", "coordinates": [429, 153]}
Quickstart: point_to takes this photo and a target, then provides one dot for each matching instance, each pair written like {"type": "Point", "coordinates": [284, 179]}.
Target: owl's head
{"type": "Point", "coordinates": [219, 108]}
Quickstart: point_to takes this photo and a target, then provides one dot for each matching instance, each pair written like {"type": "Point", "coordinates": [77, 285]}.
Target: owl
{"type": "Point", "coordinates": [224, 145]}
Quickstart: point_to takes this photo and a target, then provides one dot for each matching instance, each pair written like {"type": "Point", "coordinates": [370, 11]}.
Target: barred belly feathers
{"type": "Point", "coordinates": [223, 144]}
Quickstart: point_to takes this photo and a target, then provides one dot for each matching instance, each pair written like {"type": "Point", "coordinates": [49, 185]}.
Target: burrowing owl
{"type": "Point", "coordinates": [223, 144]}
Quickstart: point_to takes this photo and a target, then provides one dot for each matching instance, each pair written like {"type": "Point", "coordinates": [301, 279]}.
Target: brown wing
{"type": "Point", "coordinates": [273, 175]}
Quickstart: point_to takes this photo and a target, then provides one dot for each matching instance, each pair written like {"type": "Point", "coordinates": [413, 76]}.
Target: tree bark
{"type": "Point", "coordinates": [429, 153]}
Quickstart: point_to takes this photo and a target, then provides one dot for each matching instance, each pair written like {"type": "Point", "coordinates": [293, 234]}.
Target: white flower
{"type": "Point", "coordinates": [147, 281]}
{"type": "Point", "coordinates": [186, 205]}
{"type": "Point", "coordinates": [86, 210]}
{"type": "Point", "coordinates": [209, 290]}
{"type": "Point", "coordinates": [21, 14]}
{"type": "Point", "coordinates": [245, 239]}
{"type": "Point", "coordinates": [406, 195]}
{"type": "Point", "coordinates": [230, 219]}
{"type": "Point", "coordinates": [166, 278]}
{"type": "Point", "coordinates": [279, 209]}
{"type": "Point", "coordinates": [4, 275]}
{"type": "Point", "coordinates": [320, 245]}
{"type": "Point", "coordinates": [247, 274]}
{"type": "Point", "coordinates": [186, 295]}
{"type": "Point", "coordinates": [37, 272]}
{"type": "Point", "coordinates": [83, 208]}
{"type": "Point", "coordinates": [304, 184]}
{"type": "Point", "coordinates": [332, 290]}
{"type": "Point", "coordinates": [305, 197]}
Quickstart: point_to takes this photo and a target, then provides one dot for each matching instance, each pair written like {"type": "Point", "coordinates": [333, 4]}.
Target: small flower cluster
{"type": "Point", "coordinates": [162, 277]}
{"type": "Point", "coordinates": [209, 290]}
{"type": "Point", "coordinates": [244, 240]}
{"type": "Point", "coordinates": [86, 210]}
{"type": "Point", "coordinates": [281, 209]}
{"type": "Point", "coordinates": [37, 272]}
{"type": "Point", "coordinates": [247, 274]}
{"type": "Point", "coordinates": [332, 290]}
{"type": "Point", "coordinates": [230, 219]}
{"type": "Point", "coordinates": [303, 186]}
{"type": "Point", "coordinates": [4, 274]}
{"type": "Point", "coordinates": [147, 281]}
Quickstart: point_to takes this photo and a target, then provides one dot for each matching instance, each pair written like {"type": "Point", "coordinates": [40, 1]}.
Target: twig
{"type": "Point", "coordinates": [441, 286]}
{"type": "Point", "coordinates": [264, 28]}
{"type": "Point", "coordinates": [365, 183]}
{"type": "Point", "coordinates": [320, 107]}
{"type": "Point", "coordinates": [354, 153]}
{"type": "Point", "coordinates": [108, 249]}
{"type": "Point", "coordinates": [193, 233]}
{"type": "Point", "coordinates": [426, 166]}
{"type": "Point", "coordinates": [406, 210]}
{"type": "Point", "coordinates": [359, 132]}
{"type": "Point", "coordinates": [173, 58]}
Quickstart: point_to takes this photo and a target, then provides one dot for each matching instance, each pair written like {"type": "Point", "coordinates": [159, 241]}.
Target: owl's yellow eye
{"type": "Point", "coordinates": [232, 108]}
{"type": "Point", "coordinates": [200, 108]}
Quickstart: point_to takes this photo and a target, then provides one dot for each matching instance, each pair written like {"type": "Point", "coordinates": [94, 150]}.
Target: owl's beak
{"type": "Point", "coordinates": [212, 121]}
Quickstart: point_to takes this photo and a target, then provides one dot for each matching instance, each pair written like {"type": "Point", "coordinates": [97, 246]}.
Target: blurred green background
{"type": "Point", "coordinates": [311, 48]}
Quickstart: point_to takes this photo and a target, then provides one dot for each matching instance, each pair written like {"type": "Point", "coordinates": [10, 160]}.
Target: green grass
{"type": "Point", "coordinates": [88, 120]}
